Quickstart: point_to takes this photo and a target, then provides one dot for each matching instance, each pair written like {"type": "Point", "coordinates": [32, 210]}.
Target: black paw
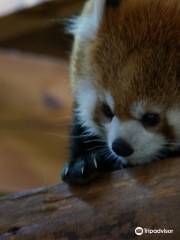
{"type": "Point", "coordinates": [79, 172]}
{"type": "Point", "coordinates": [85, 170]}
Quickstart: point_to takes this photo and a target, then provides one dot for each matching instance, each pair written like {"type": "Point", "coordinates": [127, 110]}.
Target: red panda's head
{"type": "Point", "coordinates": [126, 74]}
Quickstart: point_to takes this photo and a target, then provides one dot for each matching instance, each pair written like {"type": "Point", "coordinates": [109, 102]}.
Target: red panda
{"type": "Point", "coordinates": [125, 73]}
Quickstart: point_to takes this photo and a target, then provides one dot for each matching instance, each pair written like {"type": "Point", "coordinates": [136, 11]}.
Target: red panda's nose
{"type": "Point", "coordinates": [122, 148]}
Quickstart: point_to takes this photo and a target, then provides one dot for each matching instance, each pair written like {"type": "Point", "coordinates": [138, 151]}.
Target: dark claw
{"type": "Point", "coordinates": [77, 173]}
{"type": "Point", "coordinates": [84, 171]}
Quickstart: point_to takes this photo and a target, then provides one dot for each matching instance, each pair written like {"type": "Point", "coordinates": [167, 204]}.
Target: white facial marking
{"type": "Point", "coordinates": [145, 144]}
{"type": "Point", "coordinates": [112, 132]}
{"type": "Point", "coordinates": [173, 117]}
{"type": "Point", "coordinates": [138, 109]}
{"type": "Point", "coordinates": [110, 101]}
{"type": "Point", "coordinates": [86, 98]}
{"type": "Point", "coordinates": [86, 26]}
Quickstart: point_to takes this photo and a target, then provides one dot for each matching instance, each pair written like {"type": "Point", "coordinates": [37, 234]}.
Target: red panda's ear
{"type": "Point", "coordinates": [87, 25]}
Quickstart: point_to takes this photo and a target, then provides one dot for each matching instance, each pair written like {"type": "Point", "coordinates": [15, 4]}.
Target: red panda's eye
{"type": "Point", "coordinates": [107, 111]}
{"type": "Point", "coordinates": [150, 119]}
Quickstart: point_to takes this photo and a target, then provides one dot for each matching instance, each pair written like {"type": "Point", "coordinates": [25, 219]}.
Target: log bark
{"type": "Point", "coordinates": [110, 208]}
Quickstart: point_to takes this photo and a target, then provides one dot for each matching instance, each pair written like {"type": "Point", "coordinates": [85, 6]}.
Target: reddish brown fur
{"type": "Point", "coordinates": [137, 52]}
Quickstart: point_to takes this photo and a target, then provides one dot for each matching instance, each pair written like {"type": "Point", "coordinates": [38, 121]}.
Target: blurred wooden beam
{"type": "Point", "coordinates": [25, 81]}
{"type": "Point", "coordinates": [111, 208]}
{"type": "Point", "coordinates": [49, 41]}
{"type": "Point", "coordinates": [9, 6]}
{"type": "Point", "coordinates": [35, 114]}
{"type": "Point", "coordinates": [37, 17]}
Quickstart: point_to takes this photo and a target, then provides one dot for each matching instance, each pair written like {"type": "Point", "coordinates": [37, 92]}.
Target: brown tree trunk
{"type": "Point", "coordinates": [110, 208]}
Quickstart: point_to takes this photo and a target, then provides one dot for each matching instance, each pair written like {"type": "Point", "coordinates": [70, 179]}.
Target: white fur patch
{"type": "Point", "coordinates": [173, 117]}
{"type": "Point", "coordinates": [146, 144]}
{"type": "Point", "coordinates": [138, 109]}
{"type": "Point", "coordinates": [110, 101]}
{"type": "Point", "coordinates": [86, 26]}
{"type": "Point", "coordinates": [86, 98]}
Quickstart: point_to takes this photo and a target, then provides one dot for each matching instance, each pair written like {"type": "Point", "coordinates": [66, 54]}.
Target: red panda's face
{"type": "Point", "coordinates": [127, 79]}
{"type": "Point", "coordinates": [140, 132]}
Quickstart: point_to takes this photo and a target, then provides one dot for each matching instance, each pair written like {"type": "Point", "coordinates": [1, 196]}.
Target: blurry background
{"type": "Point", "coordinates": [35, 96]}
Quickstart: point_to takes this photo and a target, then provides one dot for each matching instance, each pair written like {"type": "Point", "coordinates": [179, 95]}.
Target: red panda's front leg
{"type": "Point", "coordinates": [89, 157]}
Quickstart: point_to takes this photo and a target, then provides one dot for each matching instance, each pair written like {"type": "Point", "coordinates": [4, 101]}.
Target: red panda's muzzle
{"type": "Point", "coordinates": [122, 148]}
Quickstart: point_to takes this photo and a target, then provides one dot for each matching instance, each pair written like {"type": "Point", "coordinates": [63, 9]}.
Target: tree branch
{"type": "Point", "coordinates": [110, 208]}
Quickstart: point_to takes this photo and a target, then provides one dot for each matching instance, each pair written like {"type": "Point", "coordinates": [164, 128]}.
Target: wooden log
{"type": "Point", "coordinates": [110, 208]}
